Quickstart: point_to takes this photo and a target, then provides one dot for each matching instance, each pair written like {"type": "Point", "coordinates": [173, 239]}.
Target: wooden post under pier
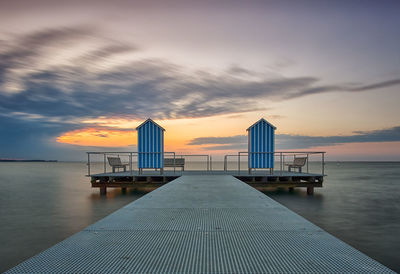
{"type": "Point", "coordinates": [103, 190]}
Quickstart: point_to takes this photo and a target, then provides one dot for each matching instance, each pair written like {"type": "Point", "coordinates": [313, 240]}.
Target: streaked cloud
{"type": "Point", "coordinates": [53, 81]}
{"type": "Point", "coordinates": [378, 85]}
{"type": "Point", "coordinates": [345, 87]}
{"type": "Point", "coordinates": [62, 74]}
{"type": "Point", "coordinates": [238, 139]}
{"type": "Point", "coordinates": [287, 141]}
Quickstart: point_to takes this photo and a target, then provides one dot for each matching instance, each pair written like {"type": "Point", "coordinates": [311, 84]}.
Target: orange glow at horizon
{"type": "Point", "coordinates": [98, 137]}
{"type": "Point", "coordinates": [119, 132]}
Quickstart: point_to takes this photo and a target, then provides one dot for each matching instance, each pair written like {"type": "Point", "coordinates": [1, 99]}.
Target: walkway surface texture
{"type": "Point", "coordinates": [207, 224]}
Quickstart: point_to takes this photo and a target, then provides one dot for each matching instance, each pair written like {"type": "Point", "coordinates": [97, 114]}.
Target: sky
{"type": "Point", "coordinates": [80, 76]}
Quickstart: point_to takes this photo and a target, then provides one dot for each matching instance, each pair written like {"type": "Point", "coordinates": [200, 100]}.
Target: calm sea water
{"type": "Point", "coordinates": [43, 203]}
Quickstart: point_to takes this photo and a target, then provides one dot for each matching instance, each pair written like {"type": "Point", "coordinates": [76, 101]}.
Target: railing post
{"type": "Point", "coordinates": [104, 160]}
{"type": "Point", "coordinates": [323, 164]}
{"type": "Point", "coordinates": [307, 163]}
{"type": "Point", "coordinates": [224, 162]}
{"type": "Point", "coordinates": [238, 162]}
{"type": "Point", "coordinates": [88, 163]}
{"type": "Point", "coordinates": [174, 164]}
{"type": "Point", "coordinates": [210, 163]}
{"type": "Point", "coordinates": [281, 162]}
{"type": "Point", "coordinates": [130, 162]}
{"type": "Point", "coordinates": [139, 155]}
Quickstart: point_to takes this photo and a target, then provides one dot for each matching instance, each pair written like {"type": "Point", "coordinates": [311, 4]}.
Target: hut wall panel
{"type": "Point", "coordinates": [150, 146]}
{"type": "Point", "coordinates": [261, 139]}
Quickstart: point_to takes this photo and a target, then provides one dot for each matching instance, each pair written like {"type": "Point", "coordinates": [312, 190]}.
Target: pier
{"type": "Point", "coordinates": [152, 180]}
{"type": "Point", "coordinates": [150, 169]}
{"type": "Point", "coordinates": [202, 224]}
{"type": "Point", "coordinates": [263, 179]}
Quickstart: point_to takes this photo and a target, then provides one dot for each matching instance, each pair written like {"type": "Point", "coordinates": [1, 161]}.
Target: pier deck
{"type": "Point", "coordinates": [149, 180]}
{"type": "Point", "coordinates": [210, 172]}
{"type": "Point", "coordinates": [202, 224]}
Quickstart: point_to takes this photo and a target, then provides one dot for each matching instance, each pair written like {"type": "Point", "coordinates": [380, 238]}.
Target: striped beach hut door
{"type": "Point", "coordinates": [261, 145]}
{"type": "Point", "coordinates": [150, 145]}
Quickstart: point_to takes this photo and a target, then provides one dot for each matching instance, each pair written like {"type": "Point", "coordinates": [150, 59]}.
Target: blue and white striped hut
{"type": "Point", "coordinates": [261, 145]}
{"type": "Point", "coordinates": [150, 145]}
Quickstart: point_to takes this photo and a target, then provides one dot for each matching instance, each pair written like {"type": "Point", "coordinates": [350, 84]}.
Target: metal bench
{"type": "Point", "coordinates": [115, 162]}
{"type": "Point", "coordinates": [298, 162]}
{"type": "Point", "coordinates": [179, 162]}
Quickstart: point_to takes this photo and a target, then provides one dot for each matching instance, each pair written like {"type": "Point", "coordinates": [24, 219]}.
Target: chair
{"type": "Point", "coordinates": [177, 162]}
{"type": "Point", "coordinates": [298, 162]}
{"type": "Point", "coordinates": [115, 162]}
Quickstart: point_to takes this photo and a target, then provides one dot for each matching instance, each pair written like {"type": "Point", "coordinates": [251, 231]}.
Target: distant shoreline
{"type": "Point", "coordinates": [7, 160]}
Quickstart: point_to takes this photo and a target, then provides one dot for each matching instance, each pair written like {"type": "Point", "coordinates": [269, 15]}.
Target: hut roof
{"type": "Point", "coordinates": [149, 120]}
{"type": "Point", "coordinates": [259, 121]}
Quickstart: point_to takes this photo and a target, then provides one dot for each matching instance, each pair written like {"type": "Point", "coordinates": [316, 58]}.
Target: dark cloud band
{"type": "Point", "coordinates": [287, 141]}
{"type": "Point", "coordinates": [85, 87]}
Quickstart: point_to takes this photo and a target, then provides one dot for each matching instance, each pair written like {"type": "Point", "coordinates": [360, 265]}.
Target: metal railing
{"type": "Point", "coordinates": [133, 154]}
{"type": "Point", "coordinates": [282, 155]}
{"type": "Point", "coordinates": [283, 159]}
{"type": "Point", "coordinates": [208, 159]}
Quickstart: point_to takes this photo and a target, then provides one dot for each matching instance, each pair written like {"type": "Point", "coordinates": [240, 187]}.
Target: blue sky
{"type": "Point", "coordinates": [80, 75]}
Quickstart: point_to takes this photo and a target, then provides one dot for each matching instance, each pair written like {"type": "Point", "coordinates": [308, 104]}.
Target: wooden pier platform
{"type": "Point", "coordinates": [202, 224]}
{"type": "Point", "coordinates": [150, 180]}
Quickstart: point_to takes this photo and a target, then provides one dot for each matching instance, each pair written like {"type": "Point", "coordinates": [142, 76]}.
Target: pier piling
{"type": "Point", "coordinates": [103, 190]}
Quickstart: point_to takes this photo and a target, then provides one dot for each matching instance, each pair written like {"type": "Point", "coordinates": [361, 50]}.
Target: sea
{"type": "Point", "coordinates": [42, 203]}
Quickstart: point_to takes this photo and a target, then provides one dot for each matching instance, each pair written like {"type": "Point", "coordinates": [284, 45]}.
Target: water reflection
{"type": "Point", "coordinates": [43, 203]}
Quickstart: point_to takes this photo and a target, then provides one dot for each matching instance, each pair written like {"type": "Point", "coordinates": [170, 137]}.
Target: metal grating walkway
{"type": "Point", "coordinates": [202, 224]}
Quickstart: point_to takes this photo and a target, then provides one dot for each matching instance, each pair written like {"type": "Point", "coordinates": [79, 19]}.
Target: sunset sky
{"type": "Point", "coordinates": [80, 76]}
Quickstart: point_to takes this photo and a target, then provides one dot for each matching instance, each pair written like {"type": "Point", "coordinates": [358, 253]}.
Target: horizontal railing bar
{"type": "Point", "coordinates": [283, 152]}
{"type": "Point", "coordinates": [276, 152]}
{"type": "Point", "coordinates": [187, 155]}
{"type": "Point", "coordinates": [135, 152]}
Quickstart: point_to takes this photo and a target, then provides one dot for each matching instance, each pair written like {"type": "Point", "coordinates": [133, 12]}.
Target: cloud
{"type": "Point", "coordinates": [94, 82]}
{"type": "Point", "coordinates": [238, 139]}
{"type": "Point", "coordinates": [236, 69]}
{"type": "Point", "coordinates": [383, 84]}
{"type": "Point", "coordinates": [237, 147]}
{"type": "Point", "coordinates": [237, 142]}
{"type": "Point", "coordinates": [33, 140]}
{"type": "Point", "coordinates": [344, 88]}
{"type": "Point", "coordinates": [287, 141]}
{"type": "Point", "coordinates": [53, 80]}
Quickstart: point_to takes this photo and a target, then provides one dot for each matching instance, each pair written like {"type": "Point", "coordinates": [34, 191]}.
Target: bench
{"type": "Point", "coordinates": [115, 162]}
{"type": "Point", "coordinates": [298, 162]}
{"type": "Point", "coordinates": [179, 162]}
